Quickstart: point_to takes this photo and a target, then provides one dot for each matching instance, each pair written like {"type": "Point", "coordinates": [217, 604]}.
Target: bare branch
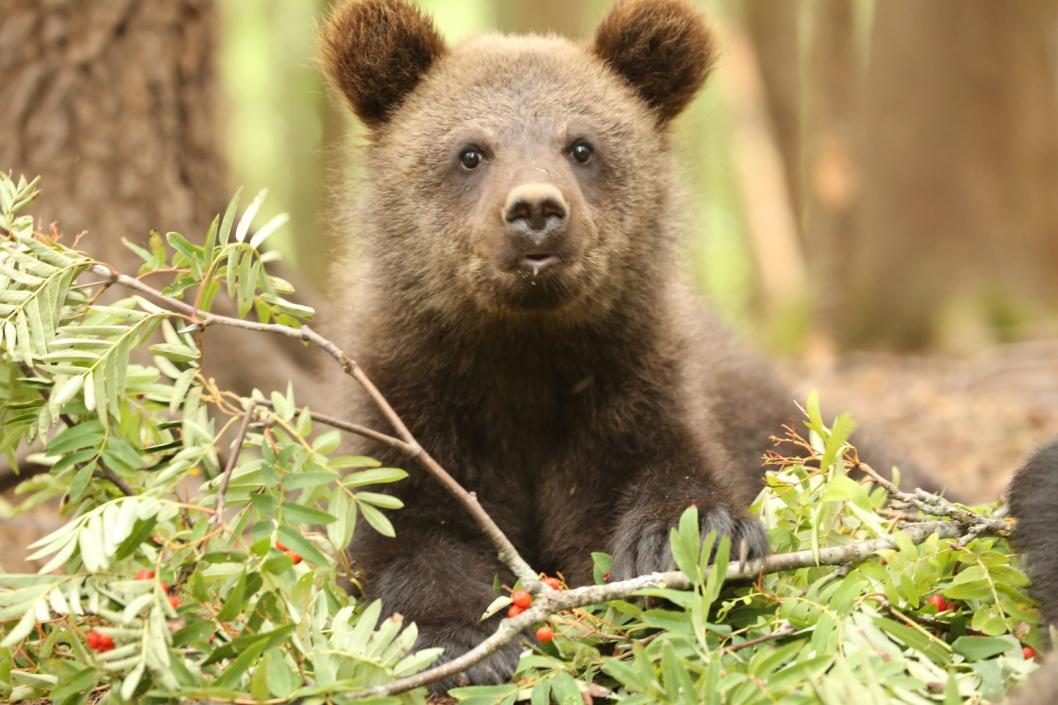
{"type": "Point", "coordinates": [356, 429]}
{"type": "Point", "coordinates": [233, 460]}
{"type": "Point", "coordinates": [551, 602]}
{"type": "Point", "coordinates": [935, 505]}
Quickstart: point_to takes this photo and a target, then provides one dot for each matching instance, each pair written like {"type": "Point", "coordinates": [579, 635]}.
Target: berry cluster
{"type": "Point", "coordinates": [100, 643]}
{"type": "Point", "coordinates": [521, 600]}
{"type": "Point", "coordinates": [296, 557]}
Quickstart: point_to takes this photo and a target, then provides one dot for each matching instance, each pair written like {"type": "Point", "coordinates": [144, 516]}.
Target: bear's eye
{"type": "Point", "coordinates": [582, 151]}
{"type": "Point", "coordinates": [471, 158]}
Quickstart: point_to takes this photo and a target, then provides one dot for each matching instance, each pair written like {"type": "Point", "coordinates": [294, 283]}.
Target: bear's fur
{"type": "Point", "coordinates": [545, 348]}
{"type": "Point", "coordinates": [1033, 499]}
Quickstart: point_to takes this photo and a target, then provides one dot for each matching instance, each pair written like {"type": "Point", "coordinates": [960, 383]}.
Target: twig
{"type": "Point", "coordinates": [506, 551]}
{"type": "Point", "coordinates": [548, 603]}
{"type": "Point", "coordinates": [233, 459]}
{"type": "Point", "coordinates": [356, 429]}
{"type": "Point", "coordinates": [779, 633]}
{"type": "Point", "coordinates": [935, 505]}
{"type": "Point", "coordinates": [108, 474]}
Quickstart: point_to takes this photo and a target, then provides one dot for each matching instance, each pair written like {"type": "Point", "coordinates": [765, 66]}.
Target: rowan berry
{"type": "Point", "coordinates": [940, 603]}
{"type": "Point", "coordinates": [522, 598]}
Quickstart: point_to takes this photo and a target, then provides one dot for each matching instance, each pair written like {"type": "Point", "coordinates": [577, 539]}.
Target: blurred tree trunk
{"type": "Point", "coordinates": [959, 153]}
{"type": "Point", "coordinates": [114, 103]}
{"type": "Point", "coordinates": [773, 29]}
{"type": "Point", "coordinates": [833, 78]}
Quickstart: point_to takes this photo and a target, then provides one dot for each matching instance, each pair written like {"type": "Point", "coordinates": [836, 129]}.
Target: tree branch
{"type": "Point", "coordinates": [551, 602]}
{"type": "Point", "coordinates": [935, 505]}
{"type": "Point", "coordinates": [354, 428]}
{"type": "Point", "coordinates": [233, 460]}
{"type": "Point", "coordinates": [506, 551]}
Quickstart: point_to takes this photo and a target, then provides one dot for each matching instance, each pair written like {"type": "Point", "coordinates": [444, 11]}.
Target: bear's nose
{"type": "Point", "coordinates": [535, 211]}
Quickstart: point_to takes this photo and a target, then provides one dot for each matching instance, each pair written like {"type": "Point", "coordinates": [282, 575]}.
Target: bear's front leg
{"type": "Point", "coordinates": [652, 506]}
{"type": "Point", "coordinates": [442, 581]}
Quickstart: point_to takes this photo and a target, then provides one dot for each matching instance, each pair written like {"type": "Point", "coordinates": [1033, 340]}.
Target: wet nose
{"type": "Point", "coordinates": [535, 210]}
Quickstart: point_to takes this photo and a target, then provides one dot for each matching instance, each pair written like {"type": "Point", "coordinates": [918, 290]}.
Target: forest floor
{"type": "Point", "coordinates": [970, 420]}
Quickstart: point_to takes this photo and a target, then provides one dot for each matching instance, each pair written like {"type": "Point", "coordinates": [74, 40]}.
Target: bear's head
{"type": "Point", "coordinates": [517, 176]}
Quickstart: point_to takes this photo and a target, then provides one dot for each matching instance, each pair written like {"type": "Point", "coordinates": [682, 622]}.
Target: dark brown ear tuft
{"type": "Point", "coordinates": [663, 48]}
{"type": "Point", "coordinates": [376, 52]}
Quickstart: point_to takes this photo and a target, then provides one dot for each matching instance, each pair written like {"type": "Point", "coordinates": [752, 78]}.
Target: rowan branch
{"type": "Point", "coordinates": [552, 602]}
{"type": "Point", "coordinates": [935, 505]}
{"type": "Point", "coordinates": [506, 551]}
{"type": "Point", "coordinates": [354, 428]}
{"type": "Point", "coordinates": [233, 460]}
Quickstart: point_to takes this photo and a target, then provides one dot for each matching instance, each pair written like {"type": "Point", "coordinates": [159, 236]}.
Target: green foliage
{"type": "Point", "coordinates": [207, 607]}
{"type": "Point", "coordinates": [822, 635]}
{"type": "Point", "coordinates": [247, 621]}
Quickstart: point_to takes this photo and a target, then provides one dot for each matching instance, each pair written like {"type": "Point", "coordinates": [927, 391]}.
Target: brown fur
{"type": "Point", "coordinates": [663, 48]}
{"type": "Point", "coordinates": [587, 404]}
{"type": "Point", "coordinates": [376, 52]}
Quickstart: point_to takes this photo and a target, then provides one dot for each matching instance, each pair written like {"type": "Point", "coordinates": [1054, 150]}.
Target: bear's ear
{"type": "Point", "coordinates": [663, 48]}
{"type": "Point", "coordinates": [376, 52]}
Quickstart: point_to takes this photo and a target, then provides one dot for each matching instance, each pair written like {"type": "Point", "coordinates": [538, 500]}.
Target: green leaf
{"type": "Point", "coordinates": [377, 520]}
{"type": "Point", "coordinates": [293, 540]}
{"type": "Point", "coordinates": [302, 514]}
{"type": "Point", "coordinates": [979, 648]}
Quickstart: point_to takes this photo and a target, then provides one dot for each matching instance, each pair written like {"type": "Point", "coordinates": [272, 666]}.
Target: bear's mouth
{"type": "Point", "coordinates": [537, 262]}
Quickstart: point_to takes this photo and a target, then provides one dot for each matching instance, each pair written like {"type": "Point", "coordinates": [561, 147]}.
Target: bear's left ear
{"type": "Point", "coordinates": [663, 48]}
{"type": "Point", "coordinates": [377, 52]}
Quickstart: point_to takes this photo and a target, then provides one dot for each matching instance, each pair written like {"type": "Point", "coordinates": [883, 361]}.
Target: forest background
{"type": "Point", "coordinates": [875, 184]}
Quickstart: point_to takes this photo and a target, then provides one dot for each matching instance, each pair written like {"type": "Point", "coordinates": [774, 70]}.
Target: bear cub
{"type": "Point", "coordinates": [517, 296]}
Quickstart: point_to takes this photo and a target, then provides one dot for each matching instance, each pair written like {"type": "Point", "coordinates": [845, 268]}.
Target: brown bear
{"type": "Point", "coordinates": [518, 298]}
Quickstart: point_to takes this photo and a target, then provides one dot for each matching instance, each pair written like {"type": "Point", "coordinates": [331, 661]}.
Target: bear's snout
{"type": "Point", "coordinates": [535, 215]}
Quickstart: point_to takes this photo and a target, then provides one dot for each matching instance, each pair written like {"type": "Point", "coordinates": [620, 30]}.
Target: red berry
{"type": "Point", "coordinates": [145, 574]}
{"type": "Point", "coordinates": [545, 634]}
{"type": "Point", "coordinates": [1029, 653]}
{"type": "Point", "coordinates": [522, 599]}
{"type": "Point", "coordinates": [940, 603]}
{"type": "Point", "coordinates": [174, 601]}
{"type": "Point", "coordinates": [553, 583]}
{"type": "Point", "coordinates": [606, 577]}
{"type": "Point", "coordinates": [296, 557]}
{"type": "Point", "coordinates": [164, 585]}
{"type": "Point", "coordinates": [281, 547]}
{"type": "Point", "coordinates": [514, 610]}
{"type": "Point", "coordinates": [99, 642]}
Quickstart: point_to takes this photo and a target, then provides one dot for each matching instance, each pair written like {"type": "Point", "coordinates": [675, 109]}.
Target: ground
{"type": "Point", "coordinates": [971, 420]}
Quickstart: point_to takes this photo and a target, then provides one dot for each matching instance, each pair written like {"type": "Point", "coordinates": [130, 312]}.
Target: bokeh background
{"type": "Point", "coordinates": [875, 183]}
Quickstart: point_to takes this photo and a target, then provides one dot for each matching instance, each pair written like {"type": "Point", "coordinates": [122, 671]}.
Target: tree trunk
{"type": "Point", "coordinates": [833, 78]}
{"type": "Point", "coordinates": [114, 102]}
{"type": "Point", "coordinates": [773, 28]}
{"type": "Point", "coordinates": [959, 148]}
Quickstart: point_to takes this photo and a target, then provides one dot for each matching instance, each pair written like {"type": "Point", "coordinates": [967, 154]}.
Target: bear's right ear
{"type": "Point", "coordinates": [376, 52]}
{"type": "Point", "coordinates": [662, 48]}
